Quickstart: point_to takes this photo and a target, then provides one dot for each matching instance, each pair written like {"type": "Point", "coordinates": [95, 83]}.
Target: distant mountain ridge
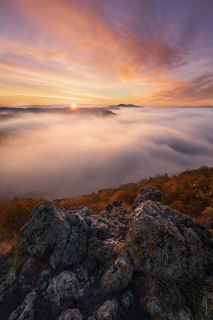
{"type": "Point", "coordinates": [8, 111]}
{"type": "Point", "coordinates": [122, 105]}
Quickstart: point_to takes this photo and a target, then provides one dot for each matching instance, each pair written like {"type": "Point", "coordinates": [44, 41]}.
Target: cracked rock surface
{"type": "Point", "coordinates": [76, 265]}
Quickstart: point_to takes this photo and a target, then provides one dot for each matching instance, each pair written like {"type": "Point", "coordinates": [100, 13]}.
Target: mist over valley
{"type": "Point", "coordinates": [57, 153]}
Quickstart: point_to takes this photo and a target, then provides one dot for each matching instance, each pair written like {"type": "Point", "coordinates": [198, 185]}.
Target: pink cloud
{"type": "Point", "coordinates": [197, 89]}
{"type": "Point", "coordinates": [131, 42]}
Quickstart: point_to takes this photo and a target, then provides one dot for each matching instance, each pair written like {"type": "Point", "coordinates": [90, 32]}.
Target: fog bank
{"type": "Point", "coordinates": [66, 155]}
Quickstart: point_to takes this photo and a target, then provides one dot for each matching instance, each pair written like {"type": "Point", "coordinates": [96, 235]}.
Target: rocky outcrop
{"type": "Point", "coordinates": [115, 265]}
{"type": "Point", "coordinates": [62, 290]}
{"type": "Point", "coordinates": [158, 238]}
{"type": "Point", "coordinates": [119, 274]}
{"type": "Point", "coordinates": [65, 238]}
{"type": "Point", "coordinates": [147, 193]}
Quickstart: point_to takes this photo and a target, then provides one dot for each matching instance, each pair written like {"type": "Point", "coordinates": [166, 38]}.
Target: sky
{"type": "Point", "coordinates": [70, 154]}
{"type": "Point", "coordinates": [91, 52]}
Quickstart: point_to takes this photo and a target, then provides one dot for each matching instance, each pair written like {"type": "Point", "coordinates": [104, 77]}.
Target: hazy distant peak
{"type": "Point", "coordinates": [122, 105]}
{"type": "Point", "coordinates": [6, 112]}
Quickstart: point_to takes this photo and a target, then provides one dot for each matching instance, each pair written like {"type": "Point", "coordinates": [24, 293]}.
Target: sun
{"type": "Point", "coordinates": [73, 106]}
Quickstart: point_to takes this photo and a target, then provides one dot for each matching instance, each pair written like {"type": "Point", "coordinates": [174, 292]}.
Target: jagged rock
{"type": "Point", "coordinates": [9, 285]}
{"type": "Point", "coordinates": [119, 274]}
{"type": "Point", "coordinates": [157, 306]}
{"type": "Point", "coordinates": [102, 250]}
{"type": "Point", "coordinates": [155, 241]}
{"type": "Point", "coordinates": [147, 193]}
{"type": "Point", "coordinates": [11, 278]}
{"type": "Point", "coordinates": [105, 215]}
{"type": "Point", "coordinates": [71, 314]}
{"type": "Point", "coordinates": [108, 311]}
{"type": "Point", "coordinates": [82, 274]}
{"type": "Point", "coordinates": [65, 238]}
{"type": "Point", "coordinates": [128, 299]}
{"type": "Point", "coordinates": [46, 228]}
{"type": "Point", "coordinates": [114, 203]}
{"type": "Point", "coordinates": [26, 310]}
{"type": "Point", "coordinates": [46, 273]}
{"type": "Point", "coordinates": [63, 290]}
{"type": "Point", "coordinates": [102, 253]}
{"type": "Point", "coordinates": [73, 247]}
{"type": "Point", "coordinates": [103, 236]}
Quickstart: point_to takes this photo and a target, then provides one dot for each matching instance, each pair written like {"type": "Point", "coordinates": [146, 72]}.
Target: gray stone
{"type": "Point", "coordinates": [63, 290]}
{"type": "Point", "coordinates": [46, 227]}
{"type": "Point", "coordinates": [156, 305]}
{"type": "Point", "coordinates": [65, 238]}
{"type": "Point", "coordinates": [119, 274]}
{"type": "Point", "coordinates": [127, 299]}
{"type": "Point", "coordinates": [156, 239]}
{"type": "Point", "coordinates": [114, 203]}
{"type": "Point", "coordinates": [147, 193]}
{"type": "Point", "coordinates": [71, 314]}
{"type": "Point", "coordinates": [26, 310]}
{"type": "Point", "coordinates": [11, 278]}
{"type": "Point", "coordinates": [108, 311]}
{"type": "Point", "coordinates": [82, 274]}
{"type": "Point", "coordinates": [105, 215]}
{"type": "Point", "coordinates": [46, 273]}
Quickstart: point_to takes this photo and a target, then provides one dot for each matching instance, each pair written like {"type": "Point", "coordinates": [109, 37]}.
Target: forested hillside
{"type": "Point", "coordinates": [190, 192]}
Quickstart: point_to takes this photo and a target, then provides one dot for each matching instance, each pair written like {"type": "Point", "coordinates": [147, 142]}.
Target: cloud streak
{"type": "Point", "coordinates": [101, 49]}
{"type": "Point", "coordinates": [118, 37]}
{"type": "Point", "coordinates": [199, 89]}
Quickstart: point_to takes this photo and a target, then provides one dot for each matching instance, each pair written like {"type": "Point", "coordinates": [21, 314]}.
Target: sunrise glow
{"type": "Point", "coordinates": [149, 53]}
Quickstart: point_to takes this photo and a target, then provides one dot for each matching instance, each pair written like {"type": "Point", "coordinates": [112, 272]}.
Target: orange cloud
{"type": "Point", "coordinates": [198, 89]}
{"type": "Point", "coordinates": [92, 50]}
{"type": "Point", "coordinates": [96, 36]}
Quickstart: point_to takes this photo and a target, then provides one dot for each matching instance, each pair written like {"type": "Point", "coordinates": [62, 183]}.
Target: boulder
{"type": "Point", "coordinates": [160, 307]}
{"type": "Point", "coordinates": [71, 314]}
{"type": "Point", "coordinates": [147, 193]}
{"type": "Point", "coordinates": [46, 227]}
{"type": "Point", "coordinates": [119, 274]}
{"type": "Point", "coordinates": [72, 247]}
{"type": "Point", "coordinates": [65, 238]}
{"type": "Point", "coordinates": [26, 311]}
{"type": "Point", "coordinates": [128, 300]}
{"type": "Point", "coordinates": [108, 311]}
{"type": "Point", "coordinates": [79, 259]}
{"type": "Point", "coordinates": [158, 239]}
{"type": "Point", "coordinates": [63, 290]}
{"type": "Point", "coordinates": [114, 203]}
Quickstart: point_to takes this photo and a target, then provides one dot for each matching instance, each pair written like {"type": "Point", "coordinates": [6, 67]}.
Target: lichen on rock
{"type": "Point", "coordinates": [108, 311]}
{"type": "Point", "coordinates": [81, 260]}
{"type": "Point", "coordinates": [71, 314]}
{"type": "Point", "coordinates": [147, 193]}
{"type": "Point", "coordinates": [63, 290]}
{"type": "Point", "coordinates": [26, 311]}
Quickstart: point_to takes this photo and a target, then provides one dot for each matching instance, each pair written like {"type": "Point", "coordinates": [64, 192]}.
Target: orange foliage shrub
{"type": "Point", "coordinates": [13, 215]}
{"type": "Point", "coordinates": [190, 192]}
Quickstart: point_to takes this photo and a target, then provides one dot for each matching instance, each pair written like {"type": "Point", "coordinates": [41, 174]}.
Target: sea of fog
{"type": "Point", "coordinates": [66, 155]}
